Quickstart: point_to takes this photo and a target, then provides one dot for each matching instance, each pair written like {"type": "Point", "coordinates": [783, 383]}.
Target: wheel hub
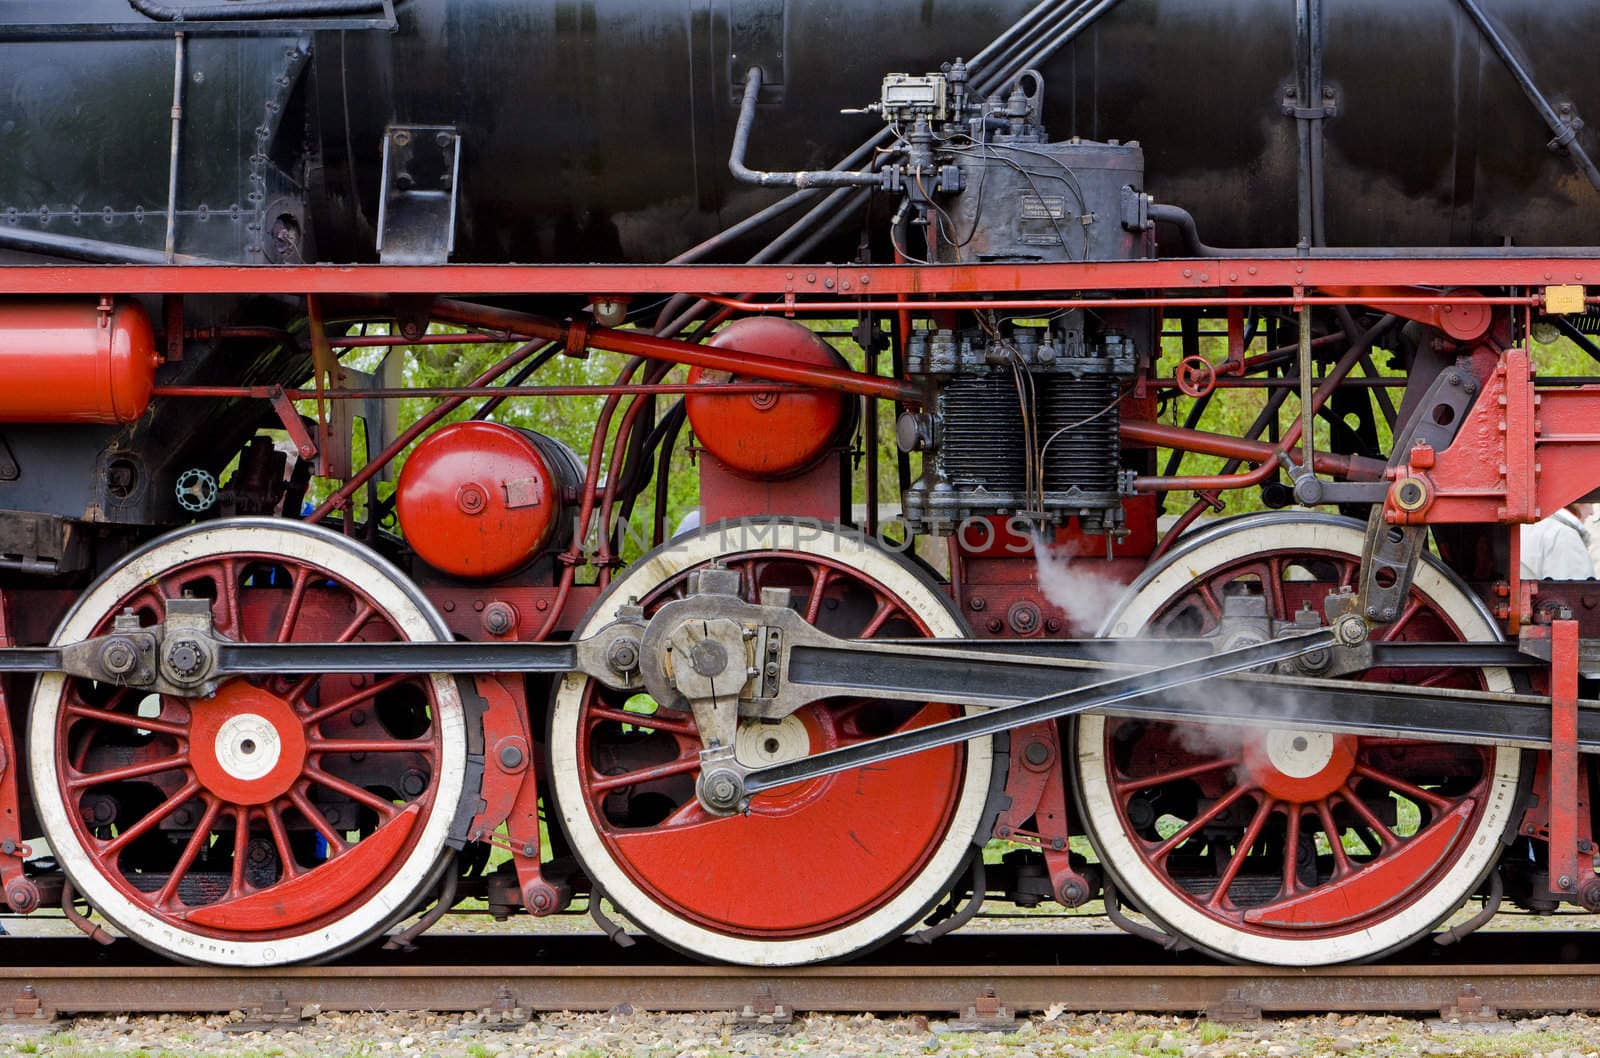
{"type": "Point", "coordinates": [1299, 766]}
{"type": "Point", "coordinates": [248, 745]}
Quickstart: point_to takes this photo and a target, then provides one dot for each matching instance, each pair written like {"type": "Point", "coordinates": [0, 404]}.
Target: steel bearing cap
{"type": "Point", "coordinates": [283, 819]}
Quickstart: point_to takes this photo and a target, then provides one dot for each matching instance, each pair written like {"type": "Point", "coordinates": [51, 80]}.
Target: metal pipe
{"type": "Point", "coordinates": [1308, 411]}
{"type": "Point", "coordinates": [1184, 221]}
{"type": "Point", "coordinates": [1161, 435]}
{"type": "Point", "coordinates": [1046, 304]}
{"type": "Point", "coordinates": [246, 9]}
{"type": "Point", "coordinates": [803, 179]}
{"type": "Point", "coordinates": [861, 153]}
{"type": "Point", "coordinates": [178, 65]}
{"type": "Point", "coordinates": [1565, 135]}
{"type": "Point", "coordinates": [1061, 39]}
{"type": "Point", "coordinates": [499, 392]}
{"type": "Point", "coordinates": [576, 336]}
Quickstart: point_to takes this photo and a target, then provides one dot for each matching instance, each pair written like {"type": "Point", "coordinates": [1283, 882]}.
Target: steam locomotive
{"type": "Point", "coordinates": [281, 671]}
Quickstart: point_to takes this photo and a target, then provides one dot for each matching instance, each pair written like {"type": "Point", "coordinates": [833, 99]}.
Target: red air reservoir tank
{"type": "Point", "coordinates": [477, 500]}
{"type": "Point", "coordinates": [770, 435]}
{"type": "Point", "coordinates": [75, 361]}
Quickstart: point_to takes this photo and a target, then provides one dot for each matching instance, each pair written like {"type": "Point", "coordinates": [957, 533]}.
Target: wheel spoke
{"type": "Point", "coordinates": [1291, 851]}
{"type": "Point", "coordinates": [650, 721]}
{"type": "Point", "coordinates": [371, 690]}
{"type": "Point", "coordinates": [1241, 851]}
{"type": "Point", "coordinates": [280, 839]}
{"type": "Point", "coordinates": [313, 815]}
{"type": "Point", "coordinates": [1195, 825]}
{"type": "Point", "coordinates": [241, 851]}
{"type": "Point", "coordinates": [1341, 860]}
{"type": "Point", "coordinates": [1412, 608]}
{"type": "Point", "coordinates": [109, 849]}
{"type": "Point", "coordinates": [139, 723]}
{"type": "Point", "coordinates": [191, 849]}
{"type": "Point", "coordinates": [1386, 836]}
{"type": "Point", "coordinates": [291, 611]}
{"type": "Point", "coordinates": [880, 617]}
{"type": "Point", "coordinates": [1415, 793]}
{"type": "Point", "coordinates": [129, 771]}
{"type": "Point", "coordinates": [1174, 775]}
{"type": "Point", "coordinates": [603, 784]}
{"type": "Point", "coordinates": [423, 746]}
{"type": "Point", "coordinates": [820, 576]}
{"type": "Point", "coordinates": [356, 793]}
{"type": "Point", "coordinates": [228, 588]}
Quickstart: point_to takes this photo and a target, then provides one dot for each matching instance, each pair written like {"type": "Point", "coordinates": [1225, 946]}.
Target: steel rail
{"type": "Point", "coordinates": [509, 977]}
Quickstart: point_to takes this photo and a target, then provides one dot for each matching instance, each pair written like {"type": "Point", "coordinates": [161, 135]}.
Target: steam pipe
{"type": "Point", "coordinates": [803, 179]}
{"type": "Point", "coordinates": [177, 133]}
{"type": "Point", "coordinates": [1566, 135]}
{"type": "Point", "coordinates": [577, 336]}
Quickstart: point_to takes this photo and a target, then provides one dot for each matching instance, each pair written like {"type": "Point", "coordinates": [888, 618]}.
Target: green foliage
{"type": "Point", "coordinates": [571, 419]}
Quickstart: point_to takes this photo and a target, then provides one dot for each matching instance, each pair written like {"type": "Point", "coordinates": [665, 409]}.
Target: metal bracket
{"type": "Point", "coordinates": [756, 33]}
{"type": "Point", "coordinates": [1391, 552]}
{"type": "Point", "coordinates": [417, 213]}
{"type": "Point", "coordinates": [986, 1014]}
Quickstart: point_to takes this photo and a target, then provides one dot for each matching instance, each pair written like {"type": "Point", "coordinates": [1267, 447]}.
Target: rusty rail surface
{"type": "Point", "coordinates": [511, 976]}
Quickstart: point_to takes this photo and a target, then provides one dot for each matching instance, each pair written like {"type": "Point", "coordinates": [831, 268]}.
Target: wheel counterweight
{"type": "Point", "coordinates": [283, 819]}
{"type": "Point", "coordinates": [815, 871]}
{"type": "Point", "coordinates": [1286, 845]}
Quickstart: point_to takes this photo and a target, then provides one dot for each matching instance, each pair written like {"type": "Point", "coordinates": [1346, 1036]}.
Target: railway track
{"type": "Point", "coordinates": [507, 978]}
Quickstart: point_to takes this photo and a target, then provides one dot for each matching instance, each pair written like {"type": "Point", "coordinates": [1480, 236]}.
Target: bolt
{"type": "Point", "coordinates": [23, 898]}
{"type": "Point", "coordinates": [1072, 893]}
{"type": "Point", "coordinates": [511, 757]}
{"type": "Point", "coordinates": [118, 658]}
{"type": "Point", "coordinates": [413, 782]}
{"type": "Point", "coordinates": [1036, 753]}
{"type": "Point", "coordinates": [721, 791]}
{"type": "Point", "coordinates": [402, 137]}
{"type": "Point", "coordinates": [996, 625]}
{"type": "Point", "coordinates": [499, 619]}
{"type": "Point", "coordinates": [772, 670]}
{"type": "Point", "coordinates": [444, 139]}
{"type": "Point", "coordinates": [185, 658]}
{"type": "Point", "coordinates": [978, 603]}
{"type": "Point", "coordinates": [539, 900]}
{"type": "Point", "coordinates": [623, 656]}
{"type": "Point", "coordinates": [1564, 883]}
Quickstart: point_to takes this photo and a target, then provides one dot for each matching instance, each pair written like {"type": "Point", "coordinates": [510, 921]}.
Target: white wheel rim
{"type": "Point", "coordinates": [929, 884]}
{"type": "Point", "coordinates": [1227, 543]}
{"type": "Point", "coordinates": [411, 613]}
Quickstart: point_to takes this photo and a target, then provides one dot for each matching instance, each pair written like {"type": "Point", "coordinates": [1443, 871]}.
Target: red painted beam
{"type": "Point", "coordinates": [802, 281]}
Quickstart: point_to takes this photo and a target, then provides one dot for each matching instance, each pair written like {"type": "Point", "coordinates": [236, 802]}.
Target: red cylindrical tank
{"type": "Point", "coordinates": [477, 499]}
{"type": "Point", "coordinates": [76, 361]}
{"type": "Point", "coordinates": [770, 435]}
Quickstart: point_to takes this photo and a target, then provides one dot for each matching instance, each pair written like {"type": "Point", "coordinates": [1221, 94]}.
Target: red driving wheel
{"type": "Point", "coordinates": [270, 814]}
{"type": "Point", "coordinates": [813, 870]}
{"type": "Point", "coordinates": [1286, 843]}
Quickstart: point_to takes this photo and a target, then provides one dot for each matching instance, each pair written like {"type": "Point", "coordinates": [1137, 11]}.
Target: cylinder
{"type": "Point", "coordinates": [767, 436]}
{"type": "Point", "coordinates": [478, 500]}
{"type": "Point", "coordinates": [76, 361]}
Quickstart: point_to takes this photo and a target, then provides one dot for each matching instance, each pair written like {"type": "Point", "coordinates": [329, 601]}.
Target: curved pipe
{"type": "Point", "coordinates": [809, 179]}
{"type": "Point", "coordinates": [240, 11]}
